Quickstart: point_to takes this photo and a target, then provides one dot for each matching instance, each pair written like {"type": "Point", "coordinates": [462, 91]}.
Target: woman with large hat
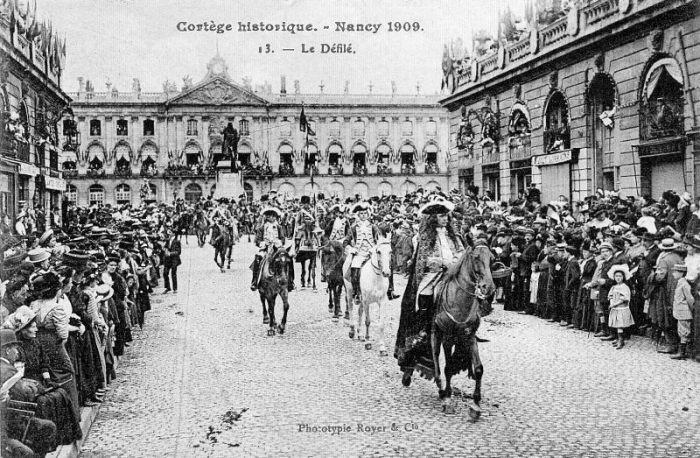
{"type": "Point", "coordinates": [437, 248]}
{"type": "Point", "coordinates": [53, 330]}
{"type": "Point", "coordinates": [56, 406]}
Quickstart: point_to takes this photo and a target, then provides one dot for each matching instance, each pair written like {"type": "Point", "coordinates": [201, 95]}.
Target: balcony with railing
{"type": "Point", "coordinates": [286, 170]}
{"type": "Point", "coordinates": [520, 147]}
{"type": "Point", "coordinates": [554, 32]}
{"type": "Point", "coordinates": [490, 155]}
{"type": "Point", "coordinates": [572, 27]}
{"type": "Point", "coordinates": [431, 168]}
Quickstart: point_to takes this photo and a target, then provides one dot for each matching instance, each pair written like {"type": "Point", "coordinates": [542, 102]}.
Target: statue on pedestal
{"type": "Point", "coordinates": [229, 148]}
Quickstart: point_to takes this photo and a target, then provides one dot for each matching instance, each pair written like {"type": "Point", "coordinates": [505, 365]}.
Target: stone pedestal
{"type": "Point", "coordinates": [227, 184]}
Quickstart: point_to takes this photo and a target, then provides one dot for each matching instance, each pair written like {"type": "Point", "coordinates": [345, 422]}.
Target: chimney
{"type": "Point", "coordinates": [283, 89]}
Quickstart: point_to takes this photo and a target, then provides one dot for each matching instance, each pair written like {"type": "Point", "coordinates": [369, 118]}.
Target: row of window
{"type": "Point", "coordinates": [148, 127]}
{"type": "Point", "coordinates": [358, 128]}
{"type": "Point", "coordinates": [123, 193]}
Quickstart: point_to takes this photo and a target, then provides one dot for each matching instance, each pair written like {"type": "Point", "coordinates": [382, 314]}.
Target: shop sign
{"type": "Point", "coordinates": [28, 169]}
{"type": "Point", "coordinates": [661, 148]}
{"type": "Point", "coordinates": [55, 184]}
{"type": "Point", "coordinates": [553, 158]}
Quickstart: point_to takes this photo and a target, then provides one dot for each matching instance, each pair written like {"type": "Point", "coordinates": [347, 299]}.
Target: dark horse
{"type": "Point", "coordinates": [332, 260]}
{"type": "Point", "coordinates": [221, 241]}
{"type": "Point", "coordinates": [453, 326]}
{"type": "Point", "coordinates": [308, 251]}
{"type": "Point", "coordinates": [183, 225]}
{"type": "Point", "coordinates": [272, 283]}
{"type": "Point", "coordinates": [201, 226]}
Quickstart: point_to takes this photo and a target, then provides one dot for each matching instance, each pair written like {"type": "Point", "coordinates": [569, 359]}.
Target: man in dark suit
{"type": "Point", "coordinates": [171, 259]}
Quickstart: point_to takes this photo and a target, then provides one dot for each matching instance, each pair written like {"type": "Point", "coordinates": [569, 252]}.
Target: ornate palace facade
{"type": "Point", "coordinates": [358, 144]}
{"type": "Point", "coordinates": [599, 94]}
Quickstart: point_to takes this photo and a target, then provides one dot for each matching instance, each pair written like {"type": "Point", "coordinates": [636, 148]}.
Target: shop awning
{"type": "Point", "coordinates": [69, 156]}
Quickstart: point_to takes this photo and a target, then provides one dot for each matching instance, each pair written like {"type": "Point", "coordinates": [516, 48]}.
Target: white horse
{"type": "Point", "coordinates": [374, 284]}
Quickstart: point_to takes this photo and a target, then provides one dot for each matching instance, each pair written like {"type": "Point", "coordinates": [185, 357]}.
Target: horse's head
{"type": "Point", "coordinates": [383, 256]}
{"type": "Point", "coordinates": [279, 265]}
{"type": "Point", "coordinates": [481, 262]}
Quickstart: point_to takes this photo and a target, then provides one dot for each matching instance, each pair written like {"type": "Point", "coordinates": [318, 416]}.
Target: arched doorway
{"type": "Point", "coordinates": [193, 192]}
{"type": "Point", "coordinates": [359, 159]}
{"type": "Point", "coordinates": [286, 191]}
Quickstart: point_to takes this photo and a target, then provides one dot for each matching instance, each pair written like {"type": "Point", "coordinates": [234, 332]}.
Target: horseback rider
{"type": "Point", "coordinates": [270, 238]}
{"type": "Point", "coordinates": [307, 236]}
{"type": "Point", "coordinates": [222, 210]}
{"type": "Point", "coordinates": [363, 235]}
{"type": "Point", "coordinates": [438, 248]}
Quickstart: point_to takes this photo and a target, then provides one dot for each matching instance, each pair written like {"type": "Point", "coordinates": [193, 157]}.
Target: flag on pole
{"type": "Point", "coordinates": [304, 125]}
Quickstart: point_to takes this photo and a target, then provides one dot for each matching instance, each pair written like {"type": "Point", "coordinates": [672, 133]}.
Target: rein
{"type": "Point", "coordinates": [377, 268]}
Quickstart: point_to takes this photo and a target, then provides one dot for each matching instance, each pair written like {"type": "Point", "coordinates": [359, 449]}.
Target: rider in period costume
{"type": "Point", "coordinates": [361, 238]}
{"type": "Point", "coordinates": [437, 248]}
{"type": "Point", "coordinates": [269, 237]}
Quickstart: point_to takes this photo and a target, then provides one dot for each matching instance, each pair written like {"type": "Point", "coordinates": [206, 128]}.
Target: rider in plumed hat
{"type": "Point", "coordinates": [437, 248]}
{"type": "Point", "coordinates": [269, 236]}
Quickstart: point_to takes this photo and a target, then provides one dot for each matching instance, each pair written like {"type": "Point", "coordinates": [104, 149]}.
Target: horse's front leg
{"type": "Point", "coordinates": [474, 406]}
{"type": "Point", "coordinates": [303, 274]}
{"type": "Point", "coordinates": [266, 317]}
{"type": "Point", "coordinates": [436, 344]}
{"type": "Point", "coordinates": [368, 320]}
{"type": "Point", "coordinates": [271, 310]}
{"type": "Point", "coordinates": [448, 404]}
{"type": "Point", "coordinates": [382, 311]}
{"type": "Point", "coordinates": [285, 304]}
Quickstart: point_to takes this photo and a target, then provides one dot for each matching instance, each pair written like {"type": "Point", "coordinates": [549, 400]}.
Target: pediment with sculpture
{"type": "Point", "coordinates": [218, 91]}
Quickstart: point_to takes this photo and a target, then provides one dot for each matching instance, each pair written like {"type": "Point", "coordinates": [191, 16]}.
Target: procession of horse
{"type": "Point", "coordinates": [439, 347]}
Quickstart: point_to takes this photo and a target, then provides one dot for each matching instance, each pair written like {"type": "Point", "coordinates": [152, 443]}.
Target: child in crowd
{"type": "Point", "coordinates": [683, 305]}
{"type": "Point", "coordinates": [620, 316]}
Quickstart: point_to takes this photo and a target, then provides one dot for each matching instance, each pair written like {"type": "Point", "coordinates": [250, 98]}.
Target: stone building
{"type": "Point", "coordinates": [358, 144]}
{"type": "Point", "coordinates": [599, 94]}
{"type": "Point", "coordinates": [31, 105]}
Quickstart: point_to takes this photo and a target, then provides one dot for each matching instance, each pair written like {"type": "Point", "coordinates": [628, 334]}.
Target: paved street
{"type": "Point", "coordinates": [204, 379]}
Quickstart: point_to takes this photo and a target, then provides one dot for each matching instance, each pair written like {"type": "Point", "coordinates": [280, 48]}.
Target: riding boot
{"type": "Point", "coordinates": [355, 279]}
{"type": "Point", "coordinates": [390, 292]}
{"type": "Point", "coordinates": [256, 272]}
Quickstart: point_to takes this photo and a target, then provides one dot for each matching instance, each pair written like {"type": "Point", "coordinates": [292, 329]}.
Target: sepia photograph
{"type": "Point", "coordinates": [349, 228]}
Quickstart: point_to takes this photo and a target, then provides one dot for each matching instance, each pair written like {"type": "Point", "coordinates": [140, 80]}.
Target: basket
{"type": "Point", "coordinates": [499, 270]}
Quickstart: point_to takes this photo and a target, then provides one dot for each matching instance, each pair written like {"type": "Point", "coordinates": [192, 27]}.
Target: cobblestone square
{"type": "Point", "coordinates": [204, 379]}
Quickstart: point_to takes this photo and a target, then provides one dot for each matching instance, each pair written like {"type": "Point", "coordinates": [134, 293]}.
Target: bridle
{"type": "Point", "coordinates": [378, 267]}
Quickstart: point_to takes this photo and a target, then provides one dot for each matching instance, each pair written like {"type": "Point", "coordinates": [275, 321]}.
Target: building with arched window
{"type": "Point", "coordinates": [597, 96]}
{"type": "Point", "coordinates": [173, 139]}
{"type": "Point", "coordinates": [32, 104]}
